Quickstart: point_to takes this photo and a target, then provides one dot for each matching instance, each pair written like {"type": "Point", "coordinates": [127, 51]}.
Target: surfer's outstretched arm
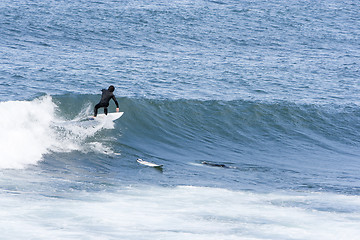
{"type": "Point", "coordinates": [116, 103]}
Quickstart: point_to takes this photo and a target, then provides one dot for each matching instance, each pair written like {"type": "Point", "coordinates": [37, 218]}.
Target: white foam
{"type": "Point", "coordinates": [31, 129]}
{"type": "Point", "coordinates": [181, 213]}
{"type": "Point", "coordinates": [25, 131]}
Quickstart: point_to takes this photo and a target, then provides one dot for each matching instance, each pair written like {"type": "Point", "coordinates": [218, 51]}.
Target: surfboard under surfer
{"type": "Point", "coordinates": [107, 94]}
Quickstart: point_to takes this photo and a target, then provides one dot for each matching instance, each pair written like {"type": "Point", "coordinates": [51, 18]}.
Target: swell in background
{"type": "Point", "coordinates": [301, 52]}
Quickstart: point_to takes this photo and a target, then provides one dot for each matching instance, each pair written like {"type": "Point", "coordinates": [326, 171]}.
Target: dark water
{"type": "Point", "coordinates": [252, 108]}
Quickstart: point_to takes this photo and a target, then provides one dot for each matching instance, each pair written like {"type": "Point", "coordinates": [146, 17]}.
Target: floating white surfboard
{"type": "Point", "coordinates": [111, 116]}
{"type": "Point", "coordinates": [149, 164]}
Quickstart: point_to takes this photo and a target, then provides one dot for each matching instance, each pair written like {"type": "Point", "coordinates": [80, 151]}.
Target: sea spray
{"type": "Point", "coordinates": [30, 129]}
{"type": "Point", "coordinates": [26, 132]}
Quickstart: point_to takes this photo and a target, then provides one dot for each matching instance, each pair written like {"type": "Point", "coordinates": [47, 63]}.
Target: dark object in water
{"type": "Point", "coordinates": [214, 164]}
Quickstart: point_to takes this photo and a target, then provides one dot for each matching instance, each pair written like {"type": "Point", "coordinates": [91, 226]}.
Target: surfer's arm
{"type": "Point", "coordinates": [116, 103]}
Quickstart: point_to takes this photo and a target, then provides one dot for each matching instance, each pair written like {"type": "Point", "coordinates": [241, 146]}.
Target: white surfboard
{"type": "Point", "coordinates": [111, 116]}
{"type": "Point", "coordinates": [149, 164]}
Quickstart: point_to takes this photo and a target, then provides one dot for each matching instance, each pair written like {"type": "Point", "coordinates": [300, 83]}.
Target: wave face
{"type": "Point", "coordinates": [269, 144]}
{"type": "Point", "coordinates": [256, 141]}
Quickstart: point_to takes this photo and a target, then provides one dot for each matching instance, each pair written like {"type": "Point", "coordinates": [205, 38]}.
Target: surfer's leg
{"type": "Point", "coordinates": [97, 106]}
{"type": "Point", "coordinates": [105, 110]}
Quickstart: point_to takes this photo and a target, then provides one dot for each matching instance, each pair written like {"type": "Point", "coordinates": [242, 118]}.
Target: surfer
{"type": "Point", "coordinates": [105, 99]}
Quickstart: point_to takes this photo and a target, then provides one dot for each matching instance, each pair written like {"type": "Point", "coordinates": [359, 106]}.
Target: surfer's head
{"type": "Point", "coordinates": [111, 88]}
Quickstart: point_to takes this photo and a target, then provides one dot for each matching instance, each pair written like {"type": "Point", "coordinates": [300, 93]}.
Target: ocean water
{"type": "Point", "coordinates": [252, 108]}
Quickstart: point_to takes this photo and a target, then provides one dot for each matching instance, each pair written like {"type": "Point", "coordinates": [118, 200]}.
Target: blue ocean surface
{"type": "Point", "coordinates": [252, 108]}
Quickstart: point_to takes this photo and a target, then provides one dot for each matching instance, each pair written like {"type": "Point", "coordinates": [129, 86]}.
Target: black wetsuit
{"type": "Point", "coordinates": [104, 102]}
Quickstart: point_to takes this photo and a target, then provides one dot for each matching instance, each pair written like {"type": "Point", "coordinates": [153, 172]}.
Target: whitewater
{"type": "Point", "coordinates": [252, 109]}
